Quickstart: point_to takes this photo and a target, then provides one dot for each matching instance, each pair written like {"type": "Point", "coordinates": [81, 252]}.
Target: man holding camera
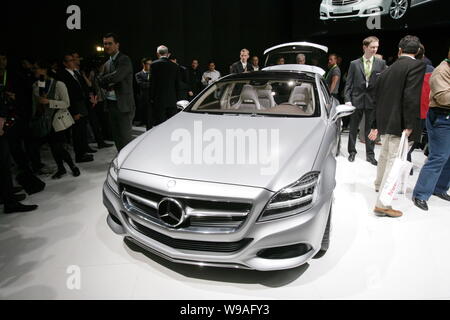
{"type": "Point", "coordinates": [210, 76]}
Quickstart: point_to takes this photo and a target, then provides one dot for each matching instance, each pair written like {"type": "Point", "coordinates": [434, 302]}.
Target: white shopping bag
{"type": "Point", "coordinates": [398, 175]}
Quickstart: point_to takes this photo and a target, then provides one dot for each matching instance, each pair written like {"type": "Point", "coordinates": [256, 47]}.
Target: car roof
{"type": "Point", "coordinates": [271, 75]}
{"type": "Point", "coordinates": [301, 68]}
{"type": "Point", "coordinates": [298, 44]}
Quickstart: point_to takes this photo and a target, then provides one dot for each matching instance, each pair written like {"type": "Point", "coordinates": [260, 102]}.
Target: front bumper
{"type": "Point", "coordinates": [362, 9]}
{"type": "Point", "coordinates": [306, 229]}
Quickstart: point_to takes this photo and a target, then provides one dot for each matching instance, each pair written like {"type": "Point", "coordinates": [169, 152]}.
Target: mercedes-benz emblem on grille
{"type": "Point", "coordinates": [171, 212]}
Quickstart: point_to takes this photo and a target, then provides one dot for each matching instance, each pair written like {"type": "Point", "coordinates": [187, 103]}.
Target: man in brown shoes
{"type": "Point", "coordinates": [397, 106]}
{"type": "Point", "coordinates": [391, 213]}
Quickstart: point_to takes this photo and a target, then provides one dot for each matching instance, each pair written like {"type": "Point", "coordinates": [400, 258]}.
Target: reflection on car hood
{"type": "Point", "coordinates": [278, 160]}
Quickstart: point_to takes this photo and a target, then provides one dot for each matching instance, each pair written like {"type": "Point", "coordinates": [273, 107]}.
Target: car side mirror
{"type": "Point", "coordinates": [342, 111]}
{"type": "Point", "coordinates": [182, 104]}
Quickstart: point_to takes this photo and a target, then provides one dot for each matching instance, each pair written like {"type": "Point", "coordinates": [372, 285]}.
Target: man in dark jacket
{"type": "Point", "coordinates": [165, 86]}
{"type": "Point", "coordinates": [242, 66]}
{"type": "Point", "coordinates": [194, 79]}
{"type": "Point", "coordinates": [143, 91]}
{"type": "Point", "coordinates": [78, 94]}
{"type": "Point", "coordinates": [360, 84]}
{"type": "Point", "coordinates": [398, 91]}
{"type": "Point", "coordinates": [117, 80]}
{"type": "Point", "coordinates": [7, 196]}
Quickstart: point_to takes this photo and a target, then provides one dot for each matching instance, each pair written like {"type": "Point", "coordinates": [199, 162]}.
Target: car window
{"type": "Point", "coordinates": [261, 97]}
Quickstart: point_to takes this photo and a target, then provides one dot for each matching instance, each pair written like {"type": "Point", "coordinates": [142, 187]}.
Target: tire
{"type": "Point", "coordinates": [399, 9]}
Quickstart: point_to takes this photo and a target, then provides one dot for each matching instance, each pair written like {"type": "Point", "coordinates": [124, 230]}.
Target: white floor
{"type": "Point", "coordinates": [370, 257]}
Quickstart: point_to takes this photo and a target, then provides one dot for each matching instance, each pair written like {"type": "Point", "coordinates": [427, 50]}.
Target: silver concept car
{"type": "Point", "coordinates": [344, 9]}
{"type": "Point", "coordinates": [243, 177]}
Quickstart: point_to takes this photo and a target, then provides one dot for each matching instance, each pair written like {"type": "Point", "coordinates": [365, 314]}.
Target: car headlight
{"type": "Point", "coordinates": [297, 198]}
{"type": "Point", "coordinates": [112, 176]}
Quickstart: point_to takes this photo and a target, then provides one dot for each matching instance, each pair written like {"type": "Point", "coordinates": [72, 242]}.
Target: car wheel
{"type": "Point", "coordinates": [398, 9]}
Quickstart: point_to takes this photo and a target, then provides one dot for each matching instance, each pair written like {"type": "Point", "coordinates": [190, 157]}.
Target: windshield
{"type": "Point", "coordinates": [260, 97]}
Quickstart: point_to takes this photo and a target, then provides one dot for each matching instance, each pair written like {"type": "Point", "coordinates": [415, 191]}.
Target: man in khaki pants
{"type": "Point", "coordinates": [397, 108]}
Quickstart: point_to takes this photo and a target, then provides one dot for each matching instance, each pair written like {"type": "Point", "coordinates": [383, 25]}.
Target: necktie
{"type": "Point", "coordinates": [368, 69]}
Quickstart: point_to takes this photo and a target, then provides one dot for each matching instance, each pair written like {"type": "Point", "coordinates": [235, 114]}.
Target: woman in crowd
{"type": "Point", "coordinates": [52, 118]}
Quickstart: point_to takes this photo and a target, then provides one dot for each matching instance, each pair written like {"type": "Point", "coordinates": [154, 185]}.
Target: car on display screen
{"type": "Point", "coordinates": [344, 9]}
{"type": "Point", "coordinates": [243, 177]}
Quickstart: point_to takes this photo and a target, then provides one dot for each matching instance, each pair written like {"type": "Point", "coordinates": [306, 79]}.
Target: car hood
{"type": "Point", "coordinates": [284, 149]}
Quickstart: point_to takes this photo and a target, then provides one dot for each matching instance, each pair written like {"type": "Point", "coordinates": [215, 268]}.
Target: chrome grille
{"type": "Point", "coordinates": [344, 2]}
{"type": "Point", "coordinates": [201, 215]}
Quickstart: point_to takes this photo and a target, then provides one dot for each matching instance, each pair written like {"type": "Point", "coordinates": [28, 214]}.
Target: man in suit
{"type": "Point", "coordinates": [117, 80]}
{"type": "Point", "coordinates": [143, 91]}
{"type": "Point", "coordinates": [243, 65]}
{"type": "Point", "coordinates": [7, 193]}
{"type": "Point", "coordinates": [184, 88]}
{"type": "Point", "coordinates": [359, 92]}
{"type": "Point", "coordinates": [398, 93]}
{"type": "Point", "coordinates": [78, 95]}
{"type": "Point", "coordinates": [165, 86]}
{"type": "Point", "coordinates": [194, 79]}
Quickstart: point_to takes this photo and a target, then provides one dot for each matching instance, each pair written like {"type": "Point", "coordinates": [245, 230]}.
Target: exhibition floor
{"type": "Point", "coordinates": [369, 257]}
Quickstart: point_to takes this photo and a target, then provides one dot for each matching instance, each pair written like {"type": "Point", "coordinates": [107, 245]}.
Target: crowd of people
{"type": "Point", "coordinates": [60, 103]}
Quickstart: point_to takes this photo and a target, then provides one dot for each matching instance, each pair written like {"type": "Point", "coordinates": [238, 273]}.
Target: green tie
{"type": "Point", "coordinates": [368, 69]}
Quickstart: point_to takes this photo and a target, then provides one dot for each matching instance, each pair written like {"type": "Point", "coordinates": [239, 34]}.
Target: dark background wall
{"type": "Point", "coordinates": [205, 29]}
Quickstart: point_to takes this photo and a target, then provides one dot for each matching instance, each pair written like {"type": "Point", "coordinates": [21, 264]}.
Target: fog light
{"type": "Point", "coordinates": [287, 252]}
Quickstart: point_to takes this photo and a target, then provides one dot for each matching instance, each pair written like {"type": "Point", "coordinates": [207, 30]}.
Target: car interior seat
{"type": "Point", "coordinates": [265, 96]}
{"type": "Point", "coordinates": [249, 99]}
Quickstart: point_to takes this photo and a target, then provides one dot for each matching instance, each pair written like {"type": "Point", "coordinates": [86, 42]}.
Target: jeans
{"type": "Point", "coordinates": [435, 175]}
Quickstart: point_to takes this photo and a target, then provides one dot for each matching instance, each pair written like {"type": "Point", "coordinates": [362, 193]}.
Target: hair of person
{"type": "Point", "coordinates": [421, 53]}
{"type": "Point", "coordinates": [43, 64]}
{"type": "Point", "coordinates": [162, 50]}
{"type": "Point", "coordinates": [112, 35]}
{"type": "Point", "coordinates": [3, 53]}
{"type": "Point", "coordinates": [369, 40]}
{"type": "Point", "coordinates": [144, 60]}
{"type": "Point", "coordinates": [245, 51]}
{"type": "Point", "coordinates": [333, 55]}
{"type": "Point", "coordinates": [65, 57]}
{"type": "Point", "coordinates": [211, 62]}
{"type": "Point", "coordinates": [410, 44]}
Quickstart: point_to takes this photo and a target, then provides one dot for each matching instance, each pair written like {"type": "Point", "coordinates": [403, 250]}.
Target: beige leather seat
{"type": "Point", "coordinates": [249, 99]}
{"type": "Point", "coordinates": [301, 97]}
{"type": "Point", "coordinates": [265, 96]}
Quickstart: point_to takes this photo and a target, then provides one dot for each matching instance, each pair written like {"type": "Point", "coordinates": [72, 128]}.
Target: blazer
{"type": "Point", "coordinates": [356, 90]}
{"type": "Point", "coordinates": [143, 83]}
{"type": "Point", "coordinates": [118, 75]}
{"type": "Point", "coordinates": [78, 93]}
{"type": "Point", "coordinates": [237, 67]}
{"type": "Point", "coordinates": [165, 84]}
{"type": "Point", "coordinates": [398, 92]}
